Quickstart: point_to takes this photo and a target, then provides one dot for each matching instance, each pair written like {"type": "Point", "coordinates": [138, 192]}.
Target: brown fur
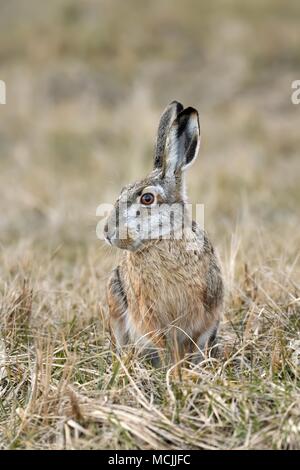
{"type": "Point", "coordinates": [167, 291]}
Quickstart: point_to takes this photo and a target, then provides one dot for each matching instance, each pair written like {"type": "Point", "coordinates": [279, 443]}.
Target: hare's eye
{"type": "Point", "coordinates": [147, 199]}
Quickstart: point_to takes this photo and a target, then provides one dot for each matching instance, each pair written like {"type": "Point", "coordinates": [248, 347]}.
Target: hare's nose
{"type": "Point", "coordinates": [108, 239]}
{"type": "Point", "coordinates": [107, 236]}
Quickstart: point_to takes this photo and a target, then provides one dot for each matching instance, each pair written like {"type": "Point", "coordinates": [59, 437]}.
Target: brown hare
{"type": "Point", "coordinates": [167, 291]}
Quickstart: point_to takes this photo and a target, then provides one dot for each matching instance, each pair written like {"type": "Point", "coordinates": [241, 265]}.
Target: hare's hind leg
{"type": "Point", "coordinates": [208, 341]}
{"type": "Point", "coordinates": [209, 337]}
{"type": "Point", "coordinates": [205, 343]}
{"type": "Point", "coordinates": [117, 305]}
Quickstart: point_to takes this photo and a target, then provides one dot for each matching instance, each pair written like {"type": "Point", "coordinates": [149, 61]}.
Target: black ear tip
{"type": "Point", "coordinates": [177, 104]}
{"type": "Point", "coordinates": [189, 111]}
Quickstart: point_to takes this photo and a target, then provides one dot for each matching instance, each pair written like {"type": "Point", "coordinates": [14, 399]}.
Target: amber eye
{"type": "Point", "coordinates": [147, 199]}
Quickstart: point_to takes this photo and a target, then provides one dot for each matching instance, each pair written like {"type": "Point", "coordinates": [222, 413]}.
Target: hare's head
{"type": "Point", "coordinates": [153, 208]}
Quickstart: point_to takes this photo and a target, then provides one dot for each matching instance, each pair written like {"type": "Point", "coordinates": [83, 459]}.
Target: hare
{"type": "Point", "coordinates": [167, 290]}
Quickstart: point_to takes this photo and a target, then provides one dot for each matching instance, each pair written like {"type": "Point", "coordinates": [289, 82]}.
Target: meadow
{"type": "Point", "coordinates": [86, 83]}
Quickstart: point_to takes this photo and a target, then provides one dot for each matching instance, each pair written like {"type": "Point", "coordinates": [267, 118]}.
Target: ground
{"type": "Point", "coordinates": [86, 83]}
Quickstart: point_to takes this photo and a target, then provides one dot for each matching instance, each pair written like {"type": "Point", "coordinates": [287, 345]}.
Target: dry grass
{"type": "Point", "coordinates": [86, 83]}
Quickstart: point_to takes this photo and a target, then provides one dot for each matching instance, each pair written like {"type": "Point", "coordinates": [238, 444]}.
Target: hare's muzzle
{"type": "Point", "coordinates": [122, 243]}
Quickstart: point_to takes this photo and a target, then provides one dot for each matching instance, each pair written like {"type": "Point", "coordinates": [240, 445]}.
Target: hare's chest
{"type": "Point", "coordinates": [158, 300]}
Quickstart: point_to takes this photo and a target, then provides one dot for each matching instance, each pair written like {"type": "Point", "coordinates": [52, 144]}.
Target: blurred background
{"type": "Point", "coordinates": [86, 84]}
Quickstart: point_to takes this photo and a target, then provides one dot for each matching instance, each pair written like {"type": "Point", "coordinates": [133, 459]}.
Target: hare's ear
{"type": "Point", "coordinates": [166, 120]}
{"type": "Point", "coordinates": [182, 143]}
